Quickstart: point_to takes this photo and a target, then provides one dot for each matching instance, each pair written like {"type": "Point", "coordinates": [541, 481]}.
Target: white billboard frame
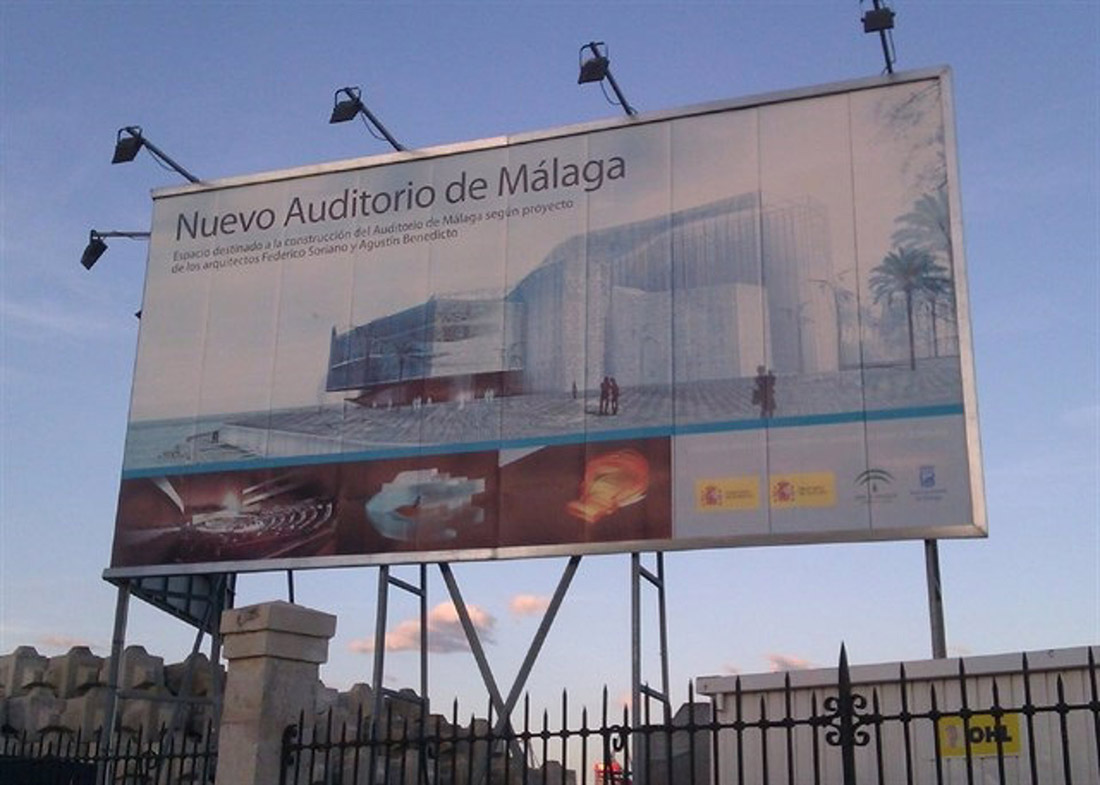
{"type": "Point", "coordinates": [975, 527]}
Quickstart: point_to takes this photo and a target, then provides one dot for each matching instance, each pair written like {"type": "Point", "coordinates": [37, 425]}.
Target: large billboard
{"type": "Point", "coordinates": [740, 323]}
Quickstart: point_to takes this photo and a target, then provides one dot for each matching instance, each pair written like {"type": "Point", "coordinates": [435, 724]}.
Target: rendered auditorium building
{"type": "Point", "coordinates": [706, 293]}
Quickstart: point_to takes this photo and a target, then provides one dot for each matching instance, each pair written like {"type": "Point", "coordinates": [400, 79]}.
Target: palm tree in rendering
{"type": "Point", "coordinates": [928, 227]}
{"type": "Point", "coordinates": [908, 273]}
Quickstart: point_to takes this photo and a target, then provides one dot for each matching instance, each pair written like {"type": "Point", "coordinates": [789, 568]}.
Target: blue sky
{"type": "Point", "coordinates": [237, 88]}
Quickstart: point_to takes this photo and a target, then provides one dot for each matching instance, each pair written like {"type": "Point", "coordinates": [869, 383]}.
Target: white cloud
{"type": "Point", "coordinates": [528, 604]}
{"type": "Point", "coordinates": [445, 633]}
{"type": "Point", "coordinates": [786, 662]}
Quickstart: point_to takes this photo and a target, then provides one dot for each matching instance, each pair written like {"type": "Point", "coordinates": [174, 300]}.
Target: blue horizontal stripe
{"type": "Point", "coordinates": [626, 434]}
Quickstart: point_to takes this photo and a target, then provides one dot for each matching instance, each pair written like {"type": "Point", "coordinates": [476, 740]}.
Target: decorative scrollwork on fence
{"type": "Point", "coordinates": [844, 721]}
{"type": "Point", "coordinates": [619, 737]}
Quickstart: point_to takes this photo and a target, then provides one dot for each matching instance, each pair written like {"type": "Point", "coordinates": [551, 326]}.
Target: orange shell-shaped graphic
{"type": "Point", "coordinates": [611, 481]}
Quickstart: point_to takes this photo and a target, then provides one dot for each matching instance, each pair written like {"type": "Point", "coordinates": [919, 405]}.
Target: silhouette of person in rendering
{"type": "Point", "coordinates": [763, 392]}
{"type": "Point", "coordinates": [605, 394]}
{"type": "Point", "coordinates": [613, 388]}
{"type": "Point", "coordinates": [574, 390]}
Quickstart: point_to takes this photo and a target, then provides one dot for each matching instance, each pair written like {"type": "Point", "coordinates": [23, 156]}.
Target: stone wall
{"type": "Point", "coordinates": [67, 695]}
{"type": "Point", "coordinates": [58, 700]}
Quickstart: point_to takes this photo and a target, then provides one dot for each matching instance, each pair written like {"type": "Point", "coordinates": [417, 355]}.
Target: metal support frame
{"type": "Point", "coordinates": [935, 599]}
{"type": "Point", "coordinates": [216, 654]}
{"type": "Point", "coordinates": [214, 609]}
{"type": "Point", "coordinates": [505, 706]}
{"type": "Point", "coordinates": [385, 581]}
{"type": "Point", "coordinates": [638, 690]}
{"type": "Point", "coordinates": [163, 594]}
{"type": "Point", "coordinates": [118, 643]}
{"type": "Point", "coordinates": [638, 573]}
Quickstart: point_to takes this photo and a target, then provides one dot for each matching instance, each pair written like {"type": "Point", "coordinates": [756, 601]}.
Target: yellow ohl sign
{"type": "Point", "coordinates": [986, 735]}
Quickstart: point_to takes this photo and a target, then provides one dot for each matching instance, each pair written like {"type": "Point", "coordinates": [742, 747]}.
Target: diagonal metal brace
{"type": "Point", "coordinates": [504, 707]}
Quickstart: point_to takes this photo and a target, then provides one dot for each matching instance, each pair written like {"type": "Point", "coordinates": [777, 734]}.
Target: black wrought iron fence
{"type": "Point", "coordinates": [63, 758]}
{"type": "Point", "coordinates": [904, 731]}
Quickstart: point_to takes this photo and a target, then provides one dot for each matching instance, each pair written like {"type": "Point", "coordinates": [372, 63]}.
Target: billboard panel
{"type": "Point", "coordinates": [742, 323]}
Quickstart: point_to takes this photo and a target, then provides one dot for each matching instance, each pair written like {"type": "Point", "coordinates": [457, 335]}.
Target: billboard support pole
{"type": "Point", "coordinates": [638, 572]}
{"type": "Point", "coordinates": [226, 588]}
{"type": "Point", "coordinates": [118, 643]}
{"type": "Point", "coordinates": [424, 636]}
{"type": "Point", "coordinates": [935, 599]}
{"type": "Point", "coordinates": [635, 639]}
{"type": "Point", "coordinates": [379, 643]}
{"type": "Point", "coordinates": [385, 580]}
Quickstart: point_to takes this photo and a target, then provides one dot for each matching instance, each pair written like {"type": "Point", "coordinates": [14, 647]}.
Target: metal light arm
{"type": "Point", "coordinates": [381, 128]}
{"type": "Point", "coordinates": [606, 70]}
{"type": "Point", "coordinates": [96, 247]}
{"type": "Point", "coordinates": [131, 235]}
{"type": "Point", "coordinates": [353, 94]}
{"type": "Point", "coordinates": [881, 21]}
{"type": "Point", "coordinates": [135, 131]}
{"type": "Point", "coordinates": [619, 94]}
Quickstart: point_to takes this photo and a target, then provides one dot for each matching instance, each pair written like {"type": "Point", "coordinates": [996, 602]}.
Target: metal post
{"type": "Point", "coordinates": [935, 599]}
{"type": "Point", "coordinates": [425, 703]}
{"type": "Point", "coordinates": [663, 621]}
{"type": "Point", "coordinates": [225, 593]}
{"type": "Point", "coordinates": [636, 639]}
{"type": "Point", "coordinates": [424, 638]}
{"type": "Point", "coordinates": [118, 643]}
{"type": "Point", "coordinates": [638, 691]}
{"type": "Point", "coordinates": [657, 580]}
{"type": "Point", "coordinates": [379, 644]}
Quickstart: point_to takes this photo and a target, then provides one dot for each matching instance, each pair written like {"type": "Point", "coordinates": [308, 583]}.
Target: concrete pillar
{"type": "Point", "coordinates": [274, 652]}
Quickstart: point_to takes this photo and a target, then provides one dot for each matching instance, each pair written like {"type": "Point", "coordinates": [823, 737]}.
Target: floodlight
{"type": "Point", "coordinates": [93, 251]}
{"type": "Point", "coordinates": [127, 147]}
{"type": "Point", "coordinates": [347, 108]}
{"type": "Point", "coordinates": [594, 69]}
{"type": "Point", "coordinates": [597, 67]}
{"type": "Point", "coordinates": [880, 19]}
{"type": "Point", "coordinates": [96, 246]}
{"type": "Point", "coordinates": [877, 20]}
